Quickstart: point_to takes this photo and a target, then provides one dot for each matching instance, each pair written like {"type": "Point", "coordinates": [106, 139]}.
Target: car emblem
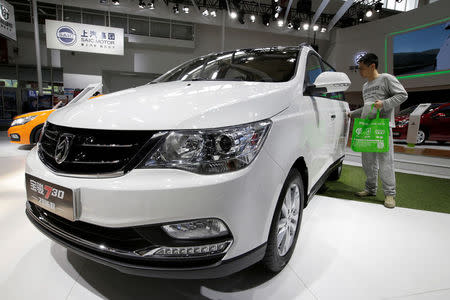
{"type": "Point", "coordinates": [4, 13]}
{"type": "Point", "coordinates": [63, 147]}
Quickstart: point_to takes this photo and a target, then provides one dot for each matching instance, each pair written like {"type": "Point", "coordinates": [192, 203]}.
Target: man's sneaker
{"type": "Point", "coordinates": [389, 202]}
{"type": "Point", "coordinates": [364, 194]}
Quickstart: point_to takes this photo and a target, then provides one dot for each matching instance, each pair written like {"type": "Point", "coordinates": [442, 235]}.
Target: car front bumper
{"type": "Point", "coordinates": [217, 269]}
{"type": "Point", "coordinates": [244, 200]}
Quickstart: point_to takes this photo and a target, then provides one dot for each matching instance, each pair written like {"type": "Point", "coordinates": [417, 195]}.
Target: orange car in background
{"type": "Point", "coordinates": [26, 128]}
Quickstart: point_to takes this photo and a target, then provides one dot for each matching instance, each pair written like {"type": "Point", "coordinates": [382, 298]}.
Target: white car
{"type": "Point", "coordinates": [199, 174]}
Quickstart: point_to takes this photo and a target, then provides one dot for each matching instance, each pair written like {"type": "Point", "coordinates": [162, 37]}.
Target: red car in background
{"type": "Point", "coordinates": [434, 124]}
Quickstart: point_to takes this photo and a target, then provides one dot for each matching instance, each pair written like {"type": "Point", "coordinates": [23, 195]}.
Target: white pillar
{"type": "Point", "coordinates": [56, 58]}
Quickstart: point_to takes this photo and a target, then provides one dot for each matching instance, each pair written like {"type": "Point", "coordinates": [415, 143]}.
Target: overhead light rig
{"type": "Point", "coordinates": [252, 12]}
{"type": "Point", "coordinates": [363, 11]}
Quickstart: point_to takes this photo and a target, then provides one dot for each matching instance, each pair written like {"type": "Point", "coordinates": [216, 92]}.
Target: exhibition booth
{"type": "Point", "coordinates": [188, 149]}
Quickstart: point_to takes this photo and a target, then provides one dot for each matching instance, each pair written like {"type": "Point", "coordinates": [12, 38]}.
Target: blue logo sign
{"type": "Point", "coordinates": [66, 35]}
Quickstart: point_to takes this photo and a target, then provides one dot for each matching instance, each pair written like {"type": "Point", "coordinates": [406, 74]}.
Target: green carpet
{"type": "Point", "coordinates": [413, 191]}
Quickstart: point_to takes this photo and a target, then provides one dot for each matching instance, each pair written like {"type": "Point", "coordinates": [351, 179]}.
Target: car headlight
{"type": "Point", "coordinates": [209, 151]}
{"type": "Point", "coordinates": [21, 121]}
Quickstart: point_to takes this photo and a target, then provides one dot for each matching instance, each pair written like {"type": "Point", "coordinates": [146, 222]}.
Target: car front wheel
{"type": "Point", "coordinates": [421, 137]}
{"type": "Point", "coordinates": [35, 135]}
{"type": "Point", "coordinates": [286, 223]}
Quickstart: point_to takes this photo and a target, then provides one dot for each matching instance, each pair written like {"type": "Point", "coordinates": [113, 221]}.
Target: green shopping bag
{"type": "Point", "coordinates": [371, 135]}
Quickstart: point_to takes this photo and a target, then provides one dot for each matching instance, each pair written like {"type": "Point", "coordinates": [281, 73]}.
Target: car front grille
{"type": "Point", "coordinates": [95, 152]}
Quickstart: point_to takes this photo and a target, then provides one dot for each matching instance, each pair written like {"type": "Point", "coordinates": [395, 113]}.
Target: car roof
{"type": "Point", "coordinates": [264, 49]}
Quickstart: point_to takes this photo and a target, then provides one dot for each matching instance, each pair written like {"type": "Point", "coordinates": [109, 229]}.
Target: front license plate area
{"type": "Point", "coordinates": [51, 197]}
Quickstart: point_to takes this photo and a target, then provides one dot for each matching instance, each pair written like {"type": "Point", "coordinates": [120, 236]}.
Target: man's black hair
{"type": "Point", "coordinates": [368, 59]}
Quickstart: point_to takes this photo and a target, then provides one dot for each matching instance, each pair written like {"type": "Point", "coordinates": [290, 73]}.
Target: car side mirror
{"type": "Point", "coordinates": [332, 82]}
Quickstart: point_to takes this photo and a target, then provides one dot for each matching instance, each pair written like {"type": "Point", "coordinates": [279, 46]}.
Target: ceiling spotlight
{"type": "Point", "coordinates": [323, 29]}
{"type": "Point", "coordinates": [205, 13]}
{"type": "Point", "coordinates": [115, 2]}
{"type": "Point", "coordinates": [360, 16]}
{"type": "Point", "coordinates": [176, 10]}
{"type": "Point", "coordinates": [241, 15]}
{"type": "Point", "coordinates": [305, 26]}
{"type": "Point", "coordinates": [151, 5]}
{"type": "Point", "coordinates": [316, 27]}
{"type": "Point", "coordinates": [280, 23]}
{"type": "Point", "coordinates": [213, 14]}
{"type": "Point", "coordinates": [276, 12]}
{"type": "Point", "coordinates": [186, 9]}
{"type": "Point", "coordinates": [369, 13]}
{"type": "Point", "coordinates": [266, 19]}
{"type": "Point", "coordinates": [276, 1]}
{"type": "Point", "coordinates": [290, 26]}
{"type": "Point", "coordinates": [141, 4]}
{"type": "Point", "coordinates": [253, 18]}
{"type": "Point", "coordinates": [378, 7]}
{"type": "Point", "coordinates": [233, 15]}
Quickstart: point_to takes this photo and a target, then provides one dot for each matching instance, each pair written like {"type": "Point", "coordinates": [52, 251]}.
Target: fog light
{"type": "Point", "coordinates": [197, 229]}
{"type": "Point", "coordinates": [15, 137]}
{"type": "Point", "coordinates": [203, 250]}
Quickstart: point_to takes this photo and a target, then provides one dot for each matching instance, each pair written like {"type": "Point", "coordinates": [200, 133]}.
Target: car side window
{"type": "Point", "coordinates": [313, 69]}
{"type": "Point", "coordinates": [327, 67]}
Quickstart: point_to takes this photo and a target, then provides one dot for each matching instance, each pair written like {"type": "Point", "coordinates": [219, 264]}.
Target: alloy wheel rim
{"type": "Point", "coordinates": [287, 223]}
{"type": "Point", "coordinates": [420, 136]}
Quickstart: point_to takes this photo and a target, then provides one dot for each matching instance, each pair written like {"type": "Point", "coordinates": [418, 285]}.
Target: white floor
{"type": "Point", "coordinates": [346, 250]}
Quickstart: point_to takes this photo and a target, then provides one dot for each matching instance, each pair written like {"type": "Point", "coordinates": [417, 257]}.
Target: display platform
{"type": "Point", "coordinates": [413, 191]}
{"type": "Point", "coordinates": [346, 250]}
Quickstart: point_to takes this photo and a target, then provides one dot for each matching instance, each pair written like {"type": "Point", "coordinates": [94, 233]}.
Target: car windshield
{"type": "Point", "coordinates": [409, 110]}
{"type": "Point", "coordinates": [263, 65]}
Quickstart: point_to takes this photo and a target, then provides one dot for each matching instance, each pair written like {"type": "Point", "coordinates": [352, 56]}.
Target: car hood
{"type": "Point", "coordinates": [34, 113]}
{"type": "Point", "coordinates": [178, 105]}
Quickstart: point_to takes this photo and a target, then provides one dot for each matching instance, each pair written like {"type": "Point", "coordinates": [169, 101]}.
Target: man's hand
{"type": "Point", "coordinates": [378, 104]}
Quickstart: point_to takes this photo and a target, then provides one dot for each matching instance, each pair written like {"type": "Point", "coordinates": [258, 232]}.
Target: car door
{"type": "Point", "coordinates": [339, 123]}
{"type": "Point", "coordinates": [321, 133]}
{"type": "Point", "coordinates": [439, 124]}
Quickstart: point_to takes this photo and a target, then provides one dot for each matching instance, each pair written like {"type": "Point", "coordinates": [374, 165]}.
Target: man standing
{"type": "Point", "coordinates": [385, 92]}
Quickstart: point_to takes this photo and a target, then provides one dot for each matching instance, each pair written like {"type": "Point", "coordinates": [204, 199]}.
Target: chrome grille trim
{"type": "Point", "coordinates": [93, 162]}
{"type": "Point", "coordinates": [108, 146]}
{"type": "Point", "coordinates": [95, 152]}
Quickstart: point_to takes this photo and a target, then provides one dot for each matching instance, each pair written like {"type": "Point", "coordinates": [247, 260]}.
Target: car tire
{"type": "Point", "coordinates": [35, 135]}
{"type": "Point", "coordinates": [336, 174]}
{"type": "Point", "coordinates": [275, 258]}
{"type": "Point", "coordinates": [421, 136]}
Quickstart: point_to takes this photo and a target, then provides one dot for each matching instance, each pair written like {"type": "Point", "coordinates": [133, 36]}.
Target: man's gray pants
{"type": "Point", "coordinates": [383, 164]}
